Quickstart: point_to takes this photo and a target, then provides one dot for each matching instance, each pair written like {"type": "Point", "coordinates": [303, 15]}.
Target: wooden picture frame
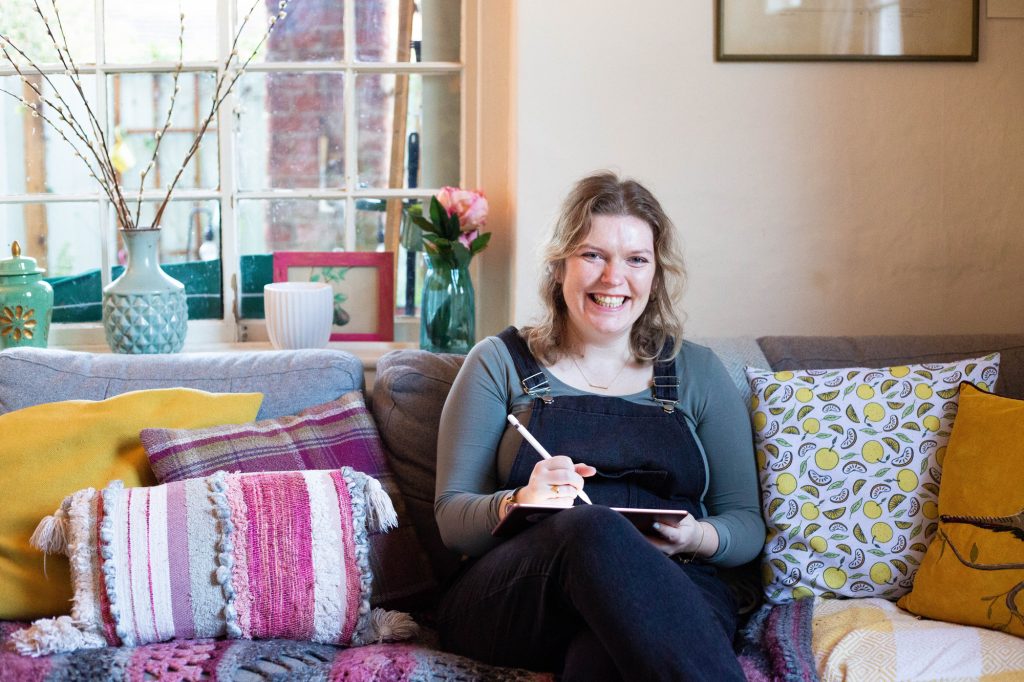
{"type": "Point", "coordinates": [846, 30]}
{"type": "Point", "coordinates": [364, 289]}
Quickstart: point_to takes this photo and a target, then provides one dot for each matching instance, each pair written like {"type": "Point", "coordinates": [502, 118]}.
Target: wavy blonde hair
{"type": "Point", "coordinates": [605, 193]}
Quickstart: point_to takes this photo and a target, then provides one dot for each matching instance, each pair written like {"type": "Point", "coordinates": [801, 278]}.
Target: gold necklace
{"type": "Point", "coordinates": [591, 383]}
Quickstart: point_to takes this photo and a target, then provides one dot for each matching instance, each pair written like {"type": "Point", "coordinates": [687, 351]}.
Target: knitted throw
{"type": "Point", "coordinates": [254, 556]}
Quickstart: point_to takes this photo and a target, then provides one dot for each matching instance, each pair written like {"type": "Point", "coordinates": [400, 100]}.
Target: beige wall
{"type": "Point", "coordinates": [813, 198]}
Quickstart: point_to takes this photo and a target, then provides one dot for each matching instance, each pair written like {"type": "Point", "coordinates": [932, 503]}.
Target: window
{"type": "Point", "coordinates": [349, 111]}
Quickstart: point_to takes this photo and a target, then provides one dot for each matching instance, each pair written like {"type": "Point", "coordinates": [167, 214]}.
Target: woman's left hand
{"type": "Point", "coordinates": [687, 536]}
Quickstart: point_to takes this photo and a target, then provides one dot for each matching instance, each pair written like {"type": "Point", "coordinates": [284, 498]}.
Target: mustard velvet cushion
{"type": "Point", "coordinates": [973, 572]}
{"type": "Point", "coordinates": [54, 449]}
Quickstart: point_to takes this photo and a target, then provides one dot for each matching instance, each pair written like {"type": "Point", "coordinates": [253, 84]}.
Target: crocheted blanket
{"type": "Point", "coordinates": [774, 646]}
{"type": "Point", "coordinates": [251, 661]}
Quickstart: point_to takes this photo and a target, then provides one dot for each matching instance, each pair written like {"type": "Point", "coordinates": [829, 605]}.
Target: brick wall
{"type": "Point", "coordinates": [304, 107]}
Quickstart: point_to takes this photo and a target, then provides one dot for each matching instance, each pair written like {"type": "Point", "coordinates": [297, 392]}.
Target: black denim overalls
{"type": "Point", "coordinates": [645, 455]}
{"type": "Point", "coordinates": [582, 592]}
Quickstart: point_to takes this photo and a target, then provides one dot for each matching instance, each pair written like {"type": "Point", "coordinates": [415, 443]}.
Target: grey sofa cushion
{"type": "Point", "coordinates": [736, 353]}
{"type": "Point", "coordinates": [408, 395]}
{"type": "Point", "coordinates": [290, 381]}
{"type": "Point", "coordinates": [829, 352]}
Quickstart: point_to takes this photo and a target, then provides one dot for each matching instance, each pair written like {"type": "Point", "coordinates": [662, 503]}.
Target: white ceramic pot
{"type": "Point", "coordinates": [298, 314]}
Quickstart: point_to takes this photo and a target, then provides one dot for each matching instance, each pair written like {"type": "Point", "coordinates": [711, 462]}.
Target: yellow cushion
{"type": "Point", "coordinates": [54, 449]}
{"type": "Point", "coordinates": [973, 571]}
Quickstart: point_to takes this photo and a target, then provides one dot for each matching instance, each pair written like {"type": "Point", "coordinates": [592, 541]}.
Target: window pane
{"type": "Point", "coordinates": [142, 32]}
{"type": "Point", "coordinates": [62, 237]}
{"type": "Point", "coordinates": [139, 104]}
{"type": "Point", "coordinates": [411, 267]}
{"type": "Point", "coordinates": [291, 131]}
{"type": "Point", "coordinates": [429, 33]}
{"type": "Point", "coordinates": [429, 138]}
{"type": "Point", "coordinates": [20, 23]}
{"type": "Point", "coordinates": [371, 224]}
{"type": "Point", "coordinates": [36, 158]}
{"type": "Point", "coordinates": [190, 230]}
{"type": "Point", "coordinates": [371, 218]}
{"type": "Point", "coordinates": [268, 225]}
{"type": "Point", "coordinates": [312, 31]}
{"type": "Point", "coordinates": [65, 241]}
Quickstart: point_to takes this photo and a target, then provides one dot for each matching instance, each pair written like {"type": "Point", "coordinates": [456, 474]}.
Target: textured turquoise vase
{"type": "Point", "coordinates": [144, 310]}
{"type": "Point", "coordinates": [447, 310]}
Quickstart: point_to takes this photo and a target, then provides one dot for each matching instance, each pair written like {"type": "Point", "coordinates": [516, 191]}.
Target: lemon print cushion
{"type": "Point", "coordinates": [973, 572]}
{"type": "Point", "coordinates": [850, 462]}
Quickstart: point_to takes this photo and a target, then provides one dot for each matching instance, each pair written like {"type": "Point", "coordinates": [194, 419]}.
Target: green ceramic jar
{"type": "Point", "coordinates": [26, 302]}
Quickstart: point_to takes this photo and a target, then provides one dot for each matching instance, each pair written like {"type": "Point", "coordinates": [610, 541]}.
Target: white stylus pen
{"type": "Point", "coordinates": [539, 448]}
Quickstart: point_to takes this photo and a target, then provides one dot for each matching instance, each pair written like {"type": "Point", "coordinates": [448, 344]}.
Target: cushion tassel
{"type": "Point", "coordinates": [51, 535]}
{"type": "Point", "coordinates": [391, 626]}
{"type": "Point", "coordinates": [381, 511]}
{"type": "Point", "coordinates": [54, 636]}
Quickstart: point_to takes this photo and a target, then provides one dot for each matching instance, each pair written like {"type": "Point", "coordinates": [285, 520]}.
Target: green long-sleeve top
{"type": "Point", "coordinates": [476, 448]}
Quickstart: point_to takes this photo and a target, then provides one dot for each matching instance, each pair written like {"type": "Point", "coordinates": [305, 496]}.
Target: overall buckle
{"type": "Point", "coordinates": [538, 389]}
{"type": "Point", "coordinates": [669, 384]}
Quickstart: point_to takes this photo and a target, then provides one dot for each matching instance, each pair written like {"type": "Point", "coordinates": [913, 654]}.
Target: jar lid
{"type": "Point", "coordinates": [18, 264]}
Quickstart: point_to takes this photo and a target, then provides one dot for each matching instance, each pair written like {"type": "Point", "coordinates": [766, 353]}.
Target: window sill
{"type": "Point", "coordinates": [207, 337]}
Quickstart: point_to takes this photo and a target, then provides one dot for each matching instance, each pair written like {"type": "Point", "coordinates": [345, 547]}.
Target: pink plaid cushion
{"type": "Point", "coordinates": [329, 436]}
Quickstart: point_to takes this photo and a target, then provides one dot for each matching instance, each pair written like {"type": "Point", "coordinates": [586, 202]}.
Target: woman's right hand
{"type": "Point", "coordinates": [555, 482]}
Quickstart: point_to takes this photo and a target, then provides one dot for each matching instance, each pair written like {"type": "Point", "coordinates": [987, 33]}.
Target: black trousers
{"type": "Point", "coordinates": [584, 593]}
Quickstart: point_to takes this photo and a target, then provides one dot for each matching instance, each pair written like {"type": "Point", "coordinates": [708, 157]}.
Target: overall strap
{"type": "Point", "coordinates": [532, 378]}
{"type": "Point", "coordinates": [665, 389]}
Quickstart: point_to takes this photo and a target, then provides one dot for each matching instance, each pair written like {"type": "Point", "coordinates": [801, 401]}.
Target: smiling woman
{"type": "Point", "coordinates": [633, 414]}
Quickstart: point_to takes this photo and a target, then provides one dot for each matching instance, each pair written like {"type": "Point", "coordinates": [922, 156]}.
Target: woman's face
{"type": "Point", "coordinates": [607, 280]}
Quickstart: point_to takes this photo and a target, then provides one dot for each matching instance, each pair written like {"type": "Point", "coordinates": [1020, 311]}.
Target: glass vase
{"type": "Point", "coordinates": [447, 312]}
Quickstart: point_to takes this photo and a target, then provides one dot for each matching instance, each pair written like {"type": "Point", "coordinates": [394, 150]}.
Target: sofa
{"type": "Point", "coordinates": [777, 642]}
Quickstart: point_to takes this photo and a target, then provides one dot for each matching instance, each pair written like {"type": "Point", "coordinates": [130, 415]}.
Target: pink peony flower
{"type": "Point", "coordinates": [471, 207]}
{"type": "Point", "coordinates": [467, 237]}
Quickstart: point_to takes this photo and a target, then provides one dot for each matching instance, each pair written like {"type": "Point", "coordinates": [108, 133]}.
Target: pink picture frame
{"type": "Point", "coordinates": [364, 289]}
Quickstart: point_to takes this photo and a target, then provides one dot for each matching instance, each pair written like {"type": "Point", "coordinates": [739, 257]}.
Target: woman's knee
{"type": "Point", "coordinates": [596, 528]}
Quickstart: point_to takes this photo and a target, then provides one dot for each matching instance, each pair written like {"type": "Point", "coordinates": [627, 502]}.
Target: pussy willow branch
{"type": "Point", "coordinates": [36, 113]}
{"type": "Point", "coordinates": [95, 141]}
{"type": "Point", "coordinates": [69, 66]}
{"type": "Point", "coordinates": [108, 183]}
{"type": "Point", "coordinates": [61, 110]}
{"type": "Point", "coordinates": [71, 69]}
{"type": "Point", "coordinates": [218, 97]}
{"type": "Point", "coordinates": [76, 128]}
{"type": "Point", "coordinates": [170, 110]}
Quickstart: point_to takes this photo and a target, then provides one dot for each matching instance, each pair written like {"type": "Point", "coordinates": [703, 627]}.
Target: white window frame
{"type": "Point", "coordinates": [230, 330]}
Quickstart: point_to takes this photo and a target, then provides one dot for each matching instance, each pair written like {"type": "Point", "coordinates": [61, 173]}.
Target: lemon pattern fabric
{"type": "Point", "coordinates": [850, 462]}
